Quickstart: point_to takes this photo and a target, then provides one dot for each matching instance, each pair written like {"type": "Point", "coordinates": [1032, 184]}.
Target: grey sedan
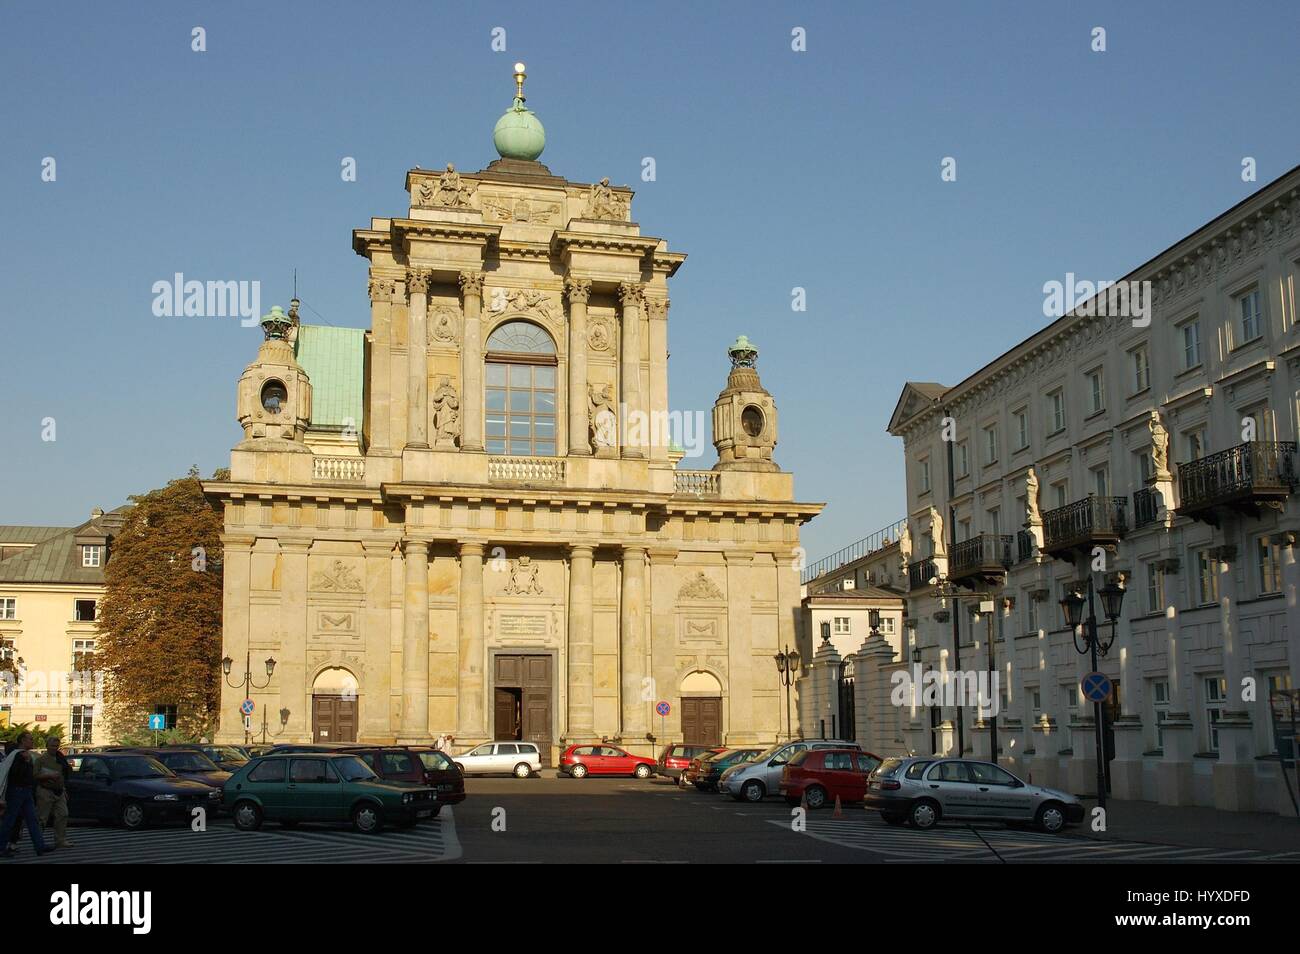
{"type": "Point", "coordinates": [922, 790]}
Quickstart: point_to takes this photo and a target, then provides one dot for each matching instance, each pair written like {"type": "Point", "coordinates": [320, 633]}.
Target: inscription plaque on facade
{"type": "Point", "coordinates": [514, 624]}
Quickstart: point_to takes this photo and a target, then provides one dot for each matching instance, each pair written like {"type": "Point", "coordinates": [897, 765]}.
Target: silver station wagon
{"type": "Point", "coordinates": [921, 790]}
{"type": "Point", "coordinates": [520, 759]}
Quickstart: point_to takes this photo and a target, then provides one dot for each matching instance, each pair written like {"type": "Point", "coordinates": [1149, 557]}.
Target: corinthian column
{"type": "Point", "coordinates": [417, 403]}
{"type": "Point", "coordinates": [381, 409]}
{"type": "Point", "coordinates": [578, 290]}
{"type": "Point", "coordinates": [581, 707]}
{"type": "Point", "coordinates": [632, 613]}
{"type": "Point", "coordinates": [657, 312]}
{"type": "Point", "coordinates": [470, 715]}
{"type": "Point", "coordinates": [635, 432]}
{"type": "Point", "coordinates": [471, 361]}
{"type": "Point", "coordinates": [415, 644]}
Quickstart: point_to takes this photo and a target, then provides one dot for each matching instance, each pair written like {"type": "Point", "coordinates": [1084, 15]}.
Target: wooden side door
{"type": "Point", "coordinates": [702, 721]}
{"type": "Point", "coordinates": [333, 719]}
{"type": "Point", "coordinates": [503, 718]}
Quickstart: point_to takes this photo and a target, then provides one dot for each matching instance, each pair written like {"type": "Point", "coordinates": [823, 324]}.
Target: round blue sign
{"type": "Point", "coordinates": [1096, 687]}
{"type": "Point", "coordinates": [246, 707]}
{"type": "Point", "coordinates": [663, 708]}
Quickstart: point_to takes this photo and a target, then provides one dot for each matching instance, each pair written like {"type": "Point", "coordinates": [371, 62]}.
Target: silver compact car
{"type": "Point", "coordinates": [921, 790]}
{"type": "Point", "coordinates": [754, 780]}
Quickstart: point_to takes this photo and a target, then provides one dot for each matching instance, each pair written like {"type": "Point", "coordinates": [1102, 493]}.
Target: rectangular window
{"type": "Point", "coordinates": [83, 654]}
{"type": "Point", "coordinates": [84, 611]}
{"type": "Point", "coordinates": [1141, 369]}
{"type": "Point", "coordinates": [1056, 411]}
{"type": "Point", "coordinates": [83, 724]}
{"type": "Point", "coordinates": [963, 459]}
{"type": "Point", "coordinates": [92, 555]}
{"type": "Point", "coordinates": [1216, 697]}
{"type": "Point", "coordinates": [520, 409]}
{"type": "Point", "coordinates": [1144, 467]}
{"type": "Point", "coordinates": [1031, 614]}
{"type": "Point", "coordinates": [1207, 578]}
{"type": "Point", "coordinates": [8, 607]}
{"type": "Point", "coordinates": [1155, 588]}
{"type": "Point", "coordinates": [995, 520]}
{"type": "Point", "coordinates": [991, 444]}
{"type": "Point", "coordinates": [963, 527]}
{"type": "Point", "coordinates": [1022, 429]}
{"type": "Point", "coordinates": [887, 624]}
{"type": "Point", "coordinates": [1280, 714]}
{"type": "Point", "coordinates": [1062, 493]}
{"type": "Point", "coordinates": [169, 712]}
{"type": "Point", "coordinates": [7, 652]}
{"type": "Point", "coordinates": [841, 626]}
{"type": "Point", "coordinates": [1194, 440]}
{"type": "Point", "coordinates": [1191, 344]}
{"type": "Point", "coordinates": [1036, 702]}
{"type": "Point", "coordinates": [925, 475]}
{"type": "Point", "coordinates": [1159, 709]}
{"type": "Point", "coordinates": [1096, 391]}
{"type": "Point", "coordinates": [1268, 563]}
{"type": "Point", "coordinates": [1101, 481]}
{"type": "Point", "coordinates": [1248, 310]}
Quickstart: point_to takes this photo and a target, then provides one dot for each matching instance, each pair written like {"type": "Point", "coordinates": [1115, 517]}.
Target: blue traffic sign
{"type": "Point", "coordinates": [157, 723]}
{"type": "Point", "coordinates": [663, 708]}
{"type": "Point", "coordinates": [246, 707]}
{"type": "Point", "coordinates": [1096, 687]}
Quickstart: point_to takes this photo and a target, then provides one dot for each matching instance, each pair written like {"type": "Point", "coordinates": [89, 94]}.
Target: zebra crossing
{"type": "Point", "coordinates": [431, 840]}
{"type": "Point", "coordinates": [995, 845]}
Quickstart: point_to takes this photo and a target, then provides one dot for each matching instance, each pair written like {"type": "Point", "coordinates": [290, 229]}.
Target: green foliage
{"type": "Point", "coordinates": [39, 732]}
{"type": "Point", "coordinates": [148, 739]}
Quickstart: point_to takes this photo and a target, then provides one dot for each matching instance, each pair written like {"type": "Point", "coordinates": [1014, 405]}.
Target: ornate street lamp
{"type": "Point", "coordinates": [247, 682]}
{"type": "Point", "coordinates": [1112, 601]}
{"type": "Point", "coordinates": [787, 665]}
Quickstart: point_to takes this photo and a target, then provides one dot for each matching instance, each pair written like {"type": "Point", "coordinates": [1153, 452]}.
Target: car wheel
{"type": "Point", "coordinates": [367, 819]}
{"type": "Point", "coordinates": [816, 796]}
{"type": "Point", "coordinates": [642, 771]}
{"type": "Point", "coordinates": [894, 819]}
{"type": "Point", "coordinates": [1050, 817]}
{"type": "Point", "coordinates": [460, 768]}
{"type": "Point", "coordinates": [752, 791]}
{"type": "Point", "coordinates": [522, 770]}
{"type": "Point", "coordinates": [248, 817]}
{"type": "Point", "coordinates": [132, 816]}
{"type": "Point", "coordinates": [924, 814]}
{"type": "Point", "coordinates": [578, 771]}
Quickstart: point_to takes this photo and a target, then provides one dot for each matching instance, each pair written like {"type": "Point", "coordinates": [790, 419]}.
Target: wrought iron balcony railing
{"type": "Point", "coordinates": [983, 555]}
{"type": "Point", "coordinates": [1145, 507]}
{"type": "Point", "coordinates": [920, 574]}
{"type": "Point", "coordinates": [1024, 546]}
{"type": "Point", "coordinates": [1245, 476]}
{"type": "Point", "coordinates": [1085, 523]}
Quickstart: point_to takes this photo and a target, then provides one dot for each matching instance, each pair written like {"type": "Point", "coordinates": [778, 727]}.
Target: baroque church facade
{"type": "Point", "coordinates": [470, 519]}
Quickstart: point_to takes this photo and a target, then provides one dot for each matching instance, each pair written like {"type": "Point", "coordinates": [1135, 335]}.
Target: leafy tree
{"type": "Point", "coordinates": [160, 618]}
{"type": "Point", "coordinates": [146, 739]}
{"type": "Point", "coordinates": [39, 732]}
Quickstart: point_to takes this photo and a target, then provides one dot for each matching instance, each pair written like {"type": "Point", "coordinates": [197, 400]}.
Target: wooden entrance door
{"type": "Point", "coordinates": [523, 694]}
{"type": "Point", "coordinates": [702, 720]}
{"type": "Point", "coordinates": [334, 718]}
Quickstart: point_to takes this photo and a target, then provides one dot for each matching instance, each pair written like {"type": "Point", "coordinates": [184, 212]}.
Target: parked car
{"type": "Point", "coordinates": [322, 787]}
{"type": "Point", "coordinates": [229, 757]}
{"type": "Point", "coordinates": [579, 761]}
{"type": "Point", "coordinates": [423, 767]}
{"type": "Point", "coordinates": [705, 771]}
{"type": "Point", "coordinates": [676, 758]}
{"type": "Point", "coordinates": [817, 777]}
{"type": "Point", "coordinates": [191, 764]}
{"type": "Point", "coordinates": [923, 790]}
{"type": "Point", "coordinates": [754, 780]}
{"type": "Point", "coordinates": [520, 759]}
{"type": "Point", "coordinates": [133, 790]}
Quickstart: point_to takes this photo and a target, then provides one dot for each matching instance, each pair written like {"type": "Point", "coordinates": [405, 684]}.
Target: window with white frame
{"type": "Point", "coordinates": [1140, 364]}
{"type": "Point", "coordinates": [1207, 578]}
{"type": "Point", "coordinates": [1031, 614]}
{"type": "Point", "coordinates": [963, 459]}
{"type": "Point", "coordinates": [1155, 588]}
{"type": "Point", "coordinates": [842, 626]}
{"type": "Point", "coordinates": [1056, 411]}
{"type": "Point", "coordinates": [1248, 313]}
{"type": "Point", "coordinates": [8, 607]}
{"type": "Point", "coordinates": [925, 475]}
{"type": "Point", "coordinates": [1268, 565]}
{"type": "Point", "coordinates": [1191, 337]}
{"type": "Point", "coordinates": [1216, 698]}
{"type": "Point", "coordinates": [1022, 428]}
{"type": "Point", "coordinates": [1070, 698]}
{"type": "Point", "coordinates": [92, 555]}
{"type": "Point", "coordinates": [83, 724]}
{"type": "Point", "coordinates": [83, 654]}
{"type": "Point", "coordinates": [991, 444]}
{"type": "Point", "coordinates": [888, 624]}
{"type": "Point", "coordinates": [7, 653]}
{"type": "Point", "coordinates": [1159, 710]}
{"type": "Point", "coordinates": [83, 611]}
{"type": "Point", "coordinates": [1096, 391]}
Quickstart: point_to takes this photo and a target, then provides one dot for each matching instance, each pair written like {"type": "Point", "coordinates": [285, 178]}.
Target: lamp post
{"type": "Point", "coordinates": [787, 664]}
{"type": "Point", "coordinates": [247, 682]}
{"type": "Point", "coordinates": [1112, 601]}
{"type": "Point", "coordinates": [284, 720]}
{"type": "Point", "coordinates": [986, 608]}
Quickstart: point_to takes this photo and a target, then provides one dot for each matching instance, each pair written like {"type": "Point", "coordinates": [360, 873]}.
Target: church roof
{"type": "Point", "coordinates": [334, 359]}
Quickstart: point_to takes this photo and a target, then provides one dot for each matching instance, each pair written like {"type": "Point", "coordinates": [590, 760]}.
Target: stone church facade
{"type": "Point", "coordinates": [470, 519]}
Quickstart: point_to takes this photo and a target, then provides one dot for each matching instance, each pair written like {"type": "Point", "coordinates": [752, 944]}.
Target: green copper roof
{"type": "Point", "coordinates": [334, 359]}
{"type": "Point", "coordinates": [519, 134]}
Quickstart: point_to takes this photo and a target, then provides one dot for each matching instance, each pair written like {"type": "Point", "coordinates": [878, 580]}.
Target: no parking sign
{"type": "Point", "coordinates": [663, 709]}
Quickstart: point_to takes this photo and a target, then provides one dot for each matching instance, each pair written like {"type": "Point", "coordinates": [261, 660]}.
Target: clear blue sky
{"type": "Point", "coordinates": [775, 169]}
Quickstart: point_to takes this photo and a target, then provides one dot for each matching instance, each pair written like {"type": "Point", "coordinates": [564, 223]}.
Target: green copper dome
{"type": "Point", "coordinates": [519, 134]}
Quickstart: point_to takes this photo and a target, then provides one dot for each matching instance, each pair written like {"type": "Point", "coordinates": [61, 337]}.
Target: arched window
{"type": "Point", "coordinates": [519, 391]}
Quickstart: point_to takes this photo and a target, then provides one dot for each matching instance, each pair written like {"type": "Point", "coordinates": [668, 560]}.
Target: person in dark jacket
{"type": "Point", "coordinates": [20, 804]}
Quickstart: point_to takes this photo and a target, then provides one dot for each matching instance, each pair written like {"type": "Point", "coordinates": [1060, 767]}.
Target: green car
{"type": "Point", "coordinates": [322, 787]}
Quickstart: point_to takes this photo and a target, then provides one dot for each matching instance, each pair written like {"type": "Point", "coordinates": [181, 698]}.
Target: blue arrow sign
{"type": "Point", "coordinates": [1096, 687]}
{"type": "Point", "coordinates": [157, 723]}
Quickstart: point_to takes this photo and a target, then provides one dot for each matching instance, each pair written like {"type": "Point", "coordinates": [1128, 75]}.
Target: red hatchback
{"type": "Point", "coordinates": [817, 776]}
{"type": "Point", "coordinates": [583, 760]}
{"type": "Point", "coordinates": [676, 758]}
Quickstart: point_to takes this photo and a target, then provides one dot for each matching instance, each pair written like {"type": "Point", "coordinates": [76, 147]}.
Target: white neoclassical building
{"type": "Point", "coordinates": [1160, 452]}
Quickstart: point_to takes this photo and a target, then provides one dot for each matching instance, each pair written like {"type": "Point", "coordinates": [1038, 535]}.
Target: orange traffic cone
{"type": "Point", "coordinates": [839, 810]}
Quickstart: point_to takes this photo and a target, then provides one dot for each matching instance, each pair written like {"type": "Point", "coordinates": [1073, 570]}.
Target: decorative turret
{"type": "Point", "coordinates": [518, 133]}
{"type": "Point", "coordinates": [274, 402]}
{"type": "Point", "coordinates": [744, 416]}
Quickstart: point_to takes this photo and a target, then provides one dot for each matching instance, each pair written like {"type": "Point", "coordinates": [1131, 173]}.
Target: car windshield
{"type": "Point", "coordinates": [435, 761]}
{"type": "Point", "coordinates": [353, 769]}
{"type": "Point", "coordinates": [139, 766]}
{"type": "Point", "coordinates": [189, 762]}
{"type": "Point", "coordinates": [799, 757]}
{"type": "Point", "coordinates": [889, 768]}
{"type": "Point", "coordinates": [224, 753]}
{"type": "Point", "coordinates": [768, 752]}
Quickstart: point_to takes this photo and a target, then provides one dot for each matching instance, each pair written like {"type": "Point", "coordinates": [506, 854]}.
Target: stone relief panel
{"type": "Point", "coordinates": [501, 207]}
{"type": "Point", "coordinates": [443, 325]}
{"type": "Point", "coordinates": [700, 629]}
{"type": "Point", "coordinates": [338, 576]}
{"type": "Point", "coordinates": [599, 335]}
{"type": "Point", "coordinates": [523, 301]}
{"type": "Point", "coordinates": [445, 191]}
{"type": "Point", "coordinates": [700, 587]}
{"type": "Point", "coordinates": [335, 627]}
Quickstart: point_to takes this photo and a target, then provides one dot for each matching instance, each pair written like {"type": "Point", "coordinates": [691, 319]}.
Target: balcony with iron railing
{"type": "Point", "coordinates": [1084, 524]}
{"type": "Point", "coordinates": [1242, 478]}
{"type": "Point", "coordinates": [985, 558]}
{"type": "Point", "coordinates": [920, 574]}
{"type": "Point", "coordinates": [1146, 507]}
{"type": "Point", "coordinates": [882, 538]}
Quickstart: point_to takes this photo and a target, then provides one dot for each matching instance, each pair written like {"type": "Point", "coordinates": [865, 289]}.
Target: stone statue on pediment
{"type": "Point", "coordinates": [451, 192]}
{"type": "Point", "coordinates": [1033, 517]}
{"type": "Point", "coordinates": [602, 203]}
{"type": "Point", "coordinates": [1159, 447]}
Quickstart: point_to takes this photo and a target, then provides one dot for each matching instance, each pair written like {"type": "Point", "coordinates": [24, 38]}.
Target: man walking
{"type": "Point", "coordinates": [52, 772]}
{"type": "Point", "coordinates": [16, 792]}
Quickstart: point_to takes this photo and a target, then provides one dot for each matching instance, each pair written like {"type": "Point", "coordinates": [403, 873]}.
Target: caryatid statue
{"type": "Point", "coordinates": [936, 533]}
{"type": "Point", "coordinates": [1159, 447]}
{"type": "Point", "coordinates": [1033, 517]}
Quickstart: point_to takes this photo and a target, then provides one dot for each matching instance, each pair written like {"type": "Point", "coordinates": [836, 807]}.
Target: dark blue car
{"type": "Point", "coordinates": [132, 789]}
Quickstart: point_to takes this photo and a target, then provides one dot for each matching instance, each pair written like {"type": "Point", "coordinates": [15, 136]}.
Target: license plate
{"type": "Point", "coordinates": [424, 813]}
{"type": "Point", "coordinates": [446, 788]}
